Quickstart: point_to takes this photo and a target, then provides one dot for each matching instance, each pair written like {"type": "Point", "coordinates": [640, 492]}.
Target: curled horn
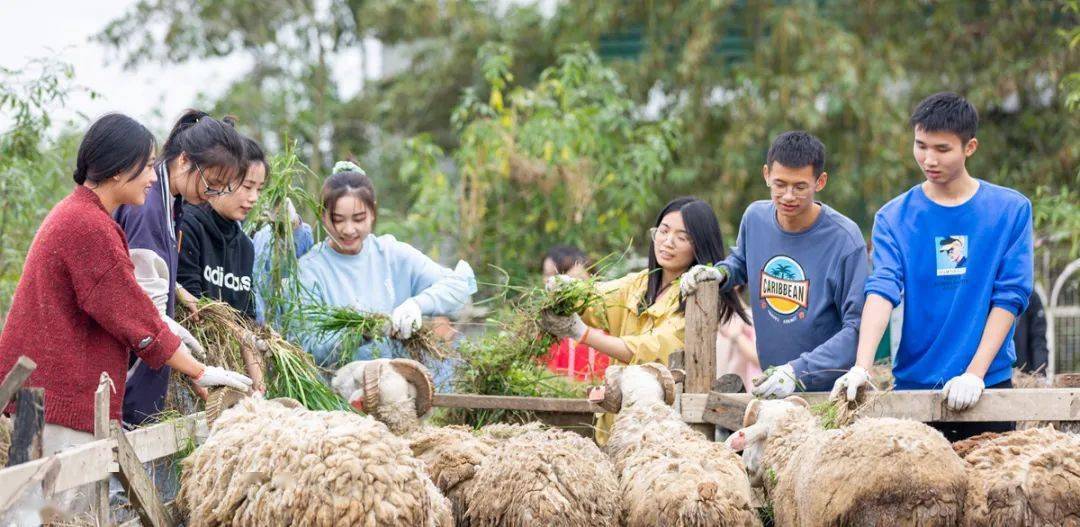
{"type": "Point", "coordinates": [612, 401]}
{"type": "Point", "coordinates": [419, 376]}
{"type": "Point", "coordinates": [664, 377]}
{"type": "Point", "coordinates": [751, 415]}
{"type": "Point", "coordinates": [372, 370]}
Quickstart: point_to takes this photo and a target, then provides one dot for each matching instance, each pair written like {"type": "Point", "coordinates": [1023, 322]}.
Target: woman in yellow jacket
{"type": "Point", "coordinates": [642, 313]}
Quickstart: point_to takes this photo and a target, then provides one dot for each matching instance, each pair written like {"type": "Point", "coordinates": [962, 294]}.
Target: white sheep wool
{"type": "Point", "coordinates": [265, 464]}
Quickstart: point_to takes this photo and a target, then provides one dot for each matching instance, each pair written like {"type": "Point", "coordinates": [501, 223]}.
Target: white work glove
{"type": "Point", "coordinates": [690, 280]}
{"type": "Point", "coordinates": [214, 376]}
{"type": "Point", "coordinates": [186, 337]}
{"type": "Point", "coordinates": [562, 327]}
{"type": "Point", "coordinates": [850, 382]}
{"type": "Point", "coordinates": [778, 385]}
{"type": "Point", "coordinates": [558, 281]}
{"type": "Point", "coordinates": [405, 319]}
{"type": "Point", "coordinates": [963, 391]}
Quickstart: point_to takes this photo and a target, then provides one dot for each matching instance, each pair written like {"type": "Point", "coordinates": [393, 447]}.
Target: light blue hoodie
{"type": "Point", "coordinates": [383, 275]}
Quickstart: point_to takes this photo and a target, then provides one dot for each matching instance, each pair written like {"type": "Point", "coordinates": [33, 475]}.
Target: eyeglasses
{"type": "Point", "coordinates": [780, 188]}
{"type": "Point", "coordinates": [210, 191]}
{"type": "Point", "coordinates": [659, 234]}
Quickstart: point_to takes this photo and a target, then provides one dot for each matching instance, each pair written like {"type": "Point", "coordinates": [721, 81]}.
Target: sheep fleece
{"type": "Point", "coordinates": [265, 464]}
{"type": "Point", "coordinates": [551, 478]}
{"type": "Point", "coordinates": [878, 471]}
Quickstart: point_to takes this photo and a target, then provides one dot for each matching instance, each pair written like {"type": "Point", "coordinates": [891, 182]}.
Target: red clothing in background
{"type": "Point", "coordinates": [78, 311]}
{"type": "Point", "coordinates": [572, 359]}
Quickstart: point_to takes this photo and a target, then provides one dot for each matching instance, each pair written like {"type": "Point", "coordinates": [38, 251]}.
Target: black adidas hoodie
{"type": "Point", "coordinates": [216, 258]}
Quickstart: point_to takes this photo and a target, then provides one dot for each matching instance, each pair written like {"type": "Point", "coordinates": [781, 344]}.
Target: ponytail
{"type": "Point", "coordinates": [208, 142]}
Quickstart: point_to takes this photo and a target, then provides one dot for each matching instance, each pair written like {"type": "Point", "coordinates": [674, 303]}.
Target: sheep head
{"type": "Point", "coordinates": [374, 386]}
{"type": "Point", "coordinates": [758, 422]}
{"type": "Point", "coordinates": [626, 386]}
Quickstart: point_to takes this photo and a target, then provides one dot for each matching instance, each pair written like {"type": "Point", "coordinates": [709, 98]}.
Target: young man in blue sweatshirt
{"type": "Point", "coordinates": [959, 251]}
{"type": "Point", "coordinates": [805, 265]}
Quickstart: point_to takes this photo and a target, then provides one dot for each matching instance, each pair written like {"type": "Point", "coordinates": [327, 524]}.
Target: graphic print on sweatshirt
{"type": "Point", "coordinates": [952, 252]}
{"type": "Point", "coordinates": [785, 289]}
{"type": "Point", "coordinates": [218, 276]}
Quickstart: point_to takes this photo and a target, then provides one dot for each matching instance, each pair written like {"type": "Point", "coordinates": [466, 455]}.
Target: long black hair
{"type": "Point", "coordinates": [704, 230]}
{"type": "Point", "coordinates": [114, 144]}
{"type": "Point", "coordinates": [208, 142]}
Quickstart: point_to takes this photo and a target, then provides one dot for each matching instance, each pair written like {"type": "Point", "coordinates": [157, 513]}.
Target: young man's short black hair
{"type": "Point", "coordinates": [946, 112]}
{"type": "Point", "coordinates": [797, 149]}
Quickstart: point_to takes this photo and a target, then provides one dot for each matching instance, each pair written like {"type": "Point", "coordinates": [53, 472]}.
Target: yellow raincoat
{"type": "Point", "coordinates": [651, 336]}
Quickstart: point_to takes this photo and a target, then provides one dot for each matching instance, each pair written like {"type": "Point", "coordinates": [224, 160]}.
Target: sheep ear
{"type": "Point", "coordinates": [664, 377]}
{"type": "Point", "coordinates": [795, 399]}
{"type": "Point", "coordinates": [372, 372]}
{"type": "Point", "coordinates": [678, 375]}
{"type": "Point", "coordinates": [752, 411]}
{"type": "Point", "coordinates": [348, 378]}
{"type": "Point", "coordinates": [612, 401]}
{"type": "Point", "coordinates": [419, 376]}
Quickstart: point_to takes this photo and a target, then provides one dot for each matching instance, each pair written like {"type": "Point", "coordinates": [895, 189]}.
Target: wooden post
{"type": "Point", "coordinates": [15, 379]}
{"type": "Point", "coordinates": [702, 319]}
{"type": "Point", "coordinates": [136, 482]}
{"type": "Point", "coordinates": [101, 431]}
{"type": "Point", "coordinates": [677, 361]}
{"type": "Point", "coordinates": [29, 426]}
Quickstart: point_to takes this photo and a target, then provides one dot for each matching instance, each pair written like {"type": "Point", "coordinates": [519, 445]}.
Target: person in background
{"type": "Point", "coordinates": [1032, 353]}
{"type": "Point", "coordinates": [736, 349]}
{"type": "Point", "coordinates": [358, 269]}
{"type": "Point", "coordinates": [964, 274]}
{"type": "Point", "coordinates": [216, 255]}
{"type": "Point", "coordinates": [567, 356]}
{"type": "Point", "coordinates": [78, 311]}
{"type": "Point", "coordinates": [202, 157]}
{"type": "Point", "coordinates": [643, 311]}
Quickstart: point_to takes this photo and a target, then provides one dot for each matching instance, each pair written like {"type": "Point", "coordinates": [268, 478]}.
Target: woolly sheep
{"type": "Point", "coordinates": [669, 474]}
{"type": "Point", "coordinates": [266, 464]}
{"type": "Point", "coordinates": [1028, 477]}
{"type": "Point", "coordinates": [573, 483]}
{"type": "Point", "coordinates": [874, 472]}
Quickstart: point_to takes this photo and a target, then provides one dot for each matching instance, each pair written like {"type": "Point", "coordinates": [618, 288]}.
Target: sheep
{"type": "Point", "coordinates": [267, 464]}
{"type": "Point", "coordinates": [669, 474]}
{"type": "Point", "coordinates": [1027, 477]}
{"type": "Point", "coordinates": [876, 471]}
{"type": "Point", "coordinates": [571, 482]}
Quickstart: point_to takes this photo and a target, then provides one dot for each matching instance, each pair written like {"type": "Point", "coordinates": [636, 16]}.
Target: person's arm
{"type": "Point", "coordinates": [735, 263]}
{"type": "Point", "coordinates": [838, 352]}
{"type": "Point", "coordinates": [614, 347]}
{"type": "Point", "coordinates": [875, 319]}
{"type": "Point", "coordinates": [436, 289]}
{"type": "Point", "coordinates": [189, 271]}
{"type": "Point", "coordinates": [998, 324]}
{"type": "Point", "coordinates": [884, 287]}
{"type": "Point", "coordinates": [651, 346]}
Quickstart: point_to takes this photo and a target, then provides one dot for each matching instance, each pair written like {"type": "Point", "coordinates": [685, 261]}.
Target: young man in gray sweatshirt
{"type": "Point", "coordinates": [804, 264]}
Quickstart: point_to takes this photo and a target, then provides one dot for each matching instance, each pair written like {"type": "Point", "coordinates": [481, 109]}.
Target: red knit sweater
{"type": "Point", "coordinates": [78, 311]}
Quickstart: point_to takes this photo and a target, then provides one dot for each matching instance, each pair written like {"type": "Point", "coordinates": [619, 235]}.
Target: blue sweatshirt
{"type": "Point", "coordinates": [303, 241]}
{"type": "Point", "coordinates": [806, 291]}
{"type": "Point", "coordinates": [952, 265]}
{"type": "Point", "coordinates": [152, 225]}
{"type": "Point", "coordinates": [383, 275]}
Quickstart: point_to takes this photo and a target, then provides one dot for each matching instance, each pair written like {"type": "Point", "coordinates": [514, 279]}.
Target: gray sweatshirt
{"type": "Point", "coordinates": [806, 291]}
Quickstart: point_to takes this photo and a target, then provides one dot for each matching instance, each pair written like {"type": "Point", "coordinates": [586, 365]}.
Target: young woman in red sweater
{"type": "Point", "coordinates": [78, 311]}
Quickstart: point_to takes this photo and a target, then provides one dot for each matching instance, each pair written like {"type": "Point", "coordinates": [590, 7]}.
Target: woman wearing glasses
{"type": "Point", "coordinates": [642, 312]}
{"type": "Point", "coordinates": [202, 157]}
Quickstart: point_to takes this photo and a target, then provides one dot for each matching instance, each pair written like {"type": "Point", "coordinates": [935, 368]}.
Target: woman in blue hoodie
{"type": "Point", "coordinates": [374, 274]}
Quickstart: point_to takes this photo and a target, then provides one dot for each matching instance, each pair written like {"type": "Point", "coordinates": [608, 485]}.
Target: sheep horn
{"type": "Point", "coordinates": [795, 399]}
{"type": "Point", "coordinates": [287, 402]}
{"type": "Point", "coordinates": [612, 401]}
{"type": "Point", "coordinates": [419, 376]}
{"type": "Point", "coordinates": [372, 371]}
{"type": "Point", "coordinates": [751, 415]}
{"type": "Point", "coordinates": [664, 377]}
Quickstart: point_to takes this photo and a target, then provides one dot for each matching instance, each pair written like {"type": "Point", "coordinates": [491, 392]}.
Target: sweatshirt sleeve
{"type": "Point", "coordinates": [140, 225]}
{"type": "Point", "coordinates": [819, 365]}
{"type": "Point", "coordinates": [887, 278]}
{"type": "Point", "coordinates": [1013, 283]}
{"type": "Point", "coordinates": [656, 344]}
{"type": "Point", "coordinates": [436, 289]}
{"type": "Point", "coordinates": [189, 269]}
{"type": "Point", "coordinates": [309, 291]}
{"type": "Point", "coordinates": [736, 261]}
{"type": "Point", "coordinates": [105, 288]}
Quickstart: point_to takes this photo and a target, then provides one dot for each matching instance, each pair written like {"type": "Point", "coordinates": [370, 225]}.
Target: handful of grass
{"type": "Point", "coordinates": [355, 328]}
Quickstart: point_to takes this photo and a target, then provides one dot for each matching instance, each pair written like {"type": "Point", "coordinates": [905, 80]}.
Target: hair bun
{"type": "Point", "coordinates": [347, 166]}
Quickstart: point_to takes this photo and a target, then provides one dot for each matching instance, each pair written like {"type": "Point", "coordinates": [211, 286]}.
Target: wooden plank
{"type": "Point", "coordinates": [506, 402]}
{"type": "Point", "coordinates": [140, 489]}
{"type": "Point", "coordinates": [702, 319]}
{"type": "Point", "coordinates": [170, 509]}
{"type": "Point", "coordinates": [101, 431]}
{"type": "Point", "coordinates": [1031, 404]}
{"type": "Point", "coordinates": [28, 426]}
{"type": "Point", "coordinates": [15, 379]}
{"type": "Point", "coordinates": [165, 439]}
{"type": "Point", "coordinates": [44, 476]}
